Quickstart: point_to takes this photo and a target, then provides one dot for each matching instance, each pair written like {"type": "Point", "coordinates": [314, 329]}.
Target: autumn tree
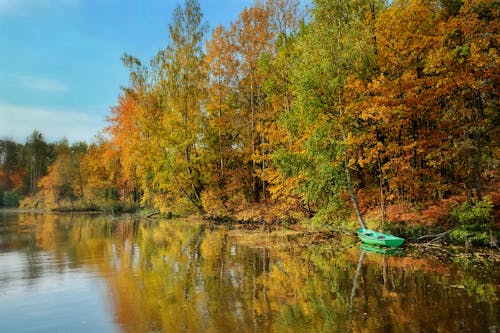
{"type": "Point", "coordinates": [11, 165]}
{"type": "Point", "coordinates": [126, 138]}
{"type": "Point", "coordinates": [253, 38]}
{"type": "Point", "coordinates": [466, 63]}
{"type": "Point", "coordinates": [156, 126]}
{"type": "Point", "coordinates": [140, 115]}
{"type": "Point", "coordinates": [220, 131]}
{"type": "Point", "coordinates": [240, 117]}
{"type": "Point", "coordinates": [235, 108]}
{"type": "Point", "coordinates": [100, 170]}
{"type": "Point", "coordinates": [277, 68]}
{"type": "Point", "coordinates": [427, 113]}
{"type": "Point", "coordinates": [57, 184]}
{"type": "Point", "coordinates": [180, 95]}
{"type": "Point", "coordinates": [330, 48]}
{"type": "Point", "coordinates": [12, 172]}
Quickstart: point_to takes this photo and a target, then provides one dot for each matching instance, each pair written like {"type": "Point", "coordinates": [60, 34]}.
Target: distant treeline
{"type": "Point", "coordinates": [22, 165]}
{"type": "Point", "coordinates": [348, 107]}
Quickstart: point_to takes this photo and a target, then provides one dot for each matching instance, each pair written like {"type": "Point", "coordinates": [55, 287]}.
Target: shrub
{"type": "Point", "coordinates": [480, 213]}
{"type": "Point", "coordinates": [10, 199]}
{"type": "Point", "coordinates": [475, 222]}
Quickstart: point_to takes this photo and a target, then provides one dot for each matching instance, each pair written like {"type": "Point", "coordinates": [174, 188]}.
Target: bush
{"type": "Point", "coordinates": [10, 199]}
{"type": "Point", "coordinates": [477, 214]}
{"type": "Point", "coordinates": [473, 236]}
{"type": "Point", "coordinates": [475, 222]}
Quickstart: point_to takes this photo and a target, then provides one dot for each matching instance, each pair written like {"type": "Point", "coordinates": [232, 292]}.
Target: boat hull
{"type": "Point", "coordinates": [372, 237]}
{"type": "Point", "coordinates": [381, 250]}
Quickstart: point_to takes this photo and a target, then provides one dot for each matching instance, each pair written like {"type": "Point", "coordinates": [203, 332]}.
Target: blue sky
{"type": "Point", "coordinates": [60, 68]}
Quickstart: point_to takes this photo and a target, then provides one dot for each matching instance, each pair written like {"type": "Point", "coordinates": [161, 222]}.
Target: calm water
{"type": "Point", "coordinates": [61, 273]}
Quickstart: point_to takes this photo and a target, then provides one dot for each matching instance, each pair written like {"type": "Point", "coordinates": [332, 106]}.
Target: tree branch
{"type": "Point", "coordinates": [436, 237]}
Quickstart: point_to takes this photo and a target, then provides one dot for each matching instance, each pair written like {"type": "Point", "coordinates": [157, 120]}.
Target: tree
{"type": "Point", "coordinates": [333, 46]}
{"type": "Point", "coordinates": [126, 137]}
{"type": "Point", "coordinates": [57, 185]}
{"type": "Point", "coordinates": [392, 107]}
{"type": "Point", "coordinates": [240, 118]}
{"type": "Point", "coordinates": [142, 116]}
{"type": "Point", "coordinates": [253, 37]}
{"type": "Point", "coordinates": [64, 181]}
{"type": "Point", "coordinates": [100, 169]}
{"type": "Point", "coordinates": [466, 63]}
{"type": "Point", "coordinates": [221, 129]}
{"type": "Point", "coordinates": [277, 68]}
{"type": "Point", "coordinates": [12, 169]}
{"type": "Point", "coordinates": [39, 156]}
{"type": "Point", "coordinates": [181, 93]}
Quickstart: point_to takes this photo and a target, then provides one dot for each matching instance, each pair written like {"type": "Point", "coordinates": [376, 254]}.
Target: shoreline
{"type": "Point", "coordinates": [320, 235]}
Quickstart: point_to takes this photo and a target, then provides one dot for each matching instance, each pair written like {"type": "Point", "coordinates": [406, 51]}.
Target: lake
{"type": "Point", "coordinates": [99, 273]}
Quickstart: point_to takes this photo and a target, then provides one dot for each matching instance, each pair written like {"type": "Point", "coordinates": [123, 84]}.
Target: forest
{"type": "Point", "coordinates": [381, 112]}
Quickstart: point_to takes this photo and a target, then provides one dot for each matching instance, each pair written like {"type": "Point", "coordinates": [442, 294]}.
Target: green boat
{"type": "Point", "coordinates": [381, 250]}
{"type": "Point", "coordinates": [377, 238]}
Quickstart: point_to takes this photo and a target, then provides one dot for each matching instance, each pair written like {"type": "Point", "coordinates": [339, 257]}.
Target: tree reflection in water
{"type": "Point", "coordinates": [180, 276]}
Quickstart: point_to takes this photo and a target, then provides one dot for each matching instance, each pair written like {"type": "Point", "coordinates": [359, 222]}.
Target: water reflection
{"type": "Point", "coordinates": [177, 276]}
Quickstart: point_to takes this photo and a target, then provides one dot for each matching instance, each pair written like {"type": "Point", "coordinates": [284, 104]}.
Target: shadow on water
{"type": "Point", "coordinates": [178, 275]}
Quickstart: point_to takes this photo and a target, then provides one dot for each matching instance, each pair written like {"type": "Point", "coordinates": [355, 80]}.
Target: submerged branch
{"type": "Point", "coordinates": [153, 214]}
{"type": "Point", "coordinates": [436, 237]}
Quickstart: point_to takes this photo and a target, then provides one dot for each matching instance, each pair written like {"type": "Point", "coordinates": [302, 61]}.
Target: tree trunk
{"type": "Point", "coordinates": [350, 187]}
{"type": "Point", "coordinates": [477, 169]}
{"type": "Point", "coordinates": [194, 201]}
{"type": "Point", "coordinates": [352, 194]}
{"type": "Point", "coordinates": [382, 194]}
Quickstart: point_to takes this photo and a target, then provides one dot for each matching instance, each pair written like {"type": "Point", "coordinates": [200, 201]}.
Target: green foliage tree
{"type": "Point", "coordinates": [12, 171]}
{"type": "Point", "coordinates": [181, 90]}
{"type": "Point", "coordinates": [38, 156]}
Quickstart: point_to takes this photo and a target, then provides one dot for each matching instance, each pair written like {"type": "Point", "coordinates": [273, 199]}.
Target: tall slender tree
{"type": "Point", "coordinates": [181, 83]}
{"type": "Point", "coordinates": [39, 155]}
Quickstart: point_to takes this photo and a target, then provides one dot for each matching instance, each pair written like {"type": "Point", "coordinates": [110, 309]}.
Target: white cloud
{"type": "Point", "coordinates": [18, 122]}
{"type": "Point", "coordinates": [40, 83]}
{"type": "Point", "coordinates": [24, 7]}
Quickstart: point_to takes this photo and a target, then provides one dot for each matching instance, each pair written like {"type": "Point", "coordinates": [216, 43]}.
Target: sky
{"type": "Point", "coordinates": [60, 68]}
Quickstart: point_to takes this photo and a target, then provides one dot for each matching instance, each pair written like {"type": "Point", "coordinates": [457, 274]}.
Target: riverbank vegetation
{"type": "Point", "coordinates": [345, 110]}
